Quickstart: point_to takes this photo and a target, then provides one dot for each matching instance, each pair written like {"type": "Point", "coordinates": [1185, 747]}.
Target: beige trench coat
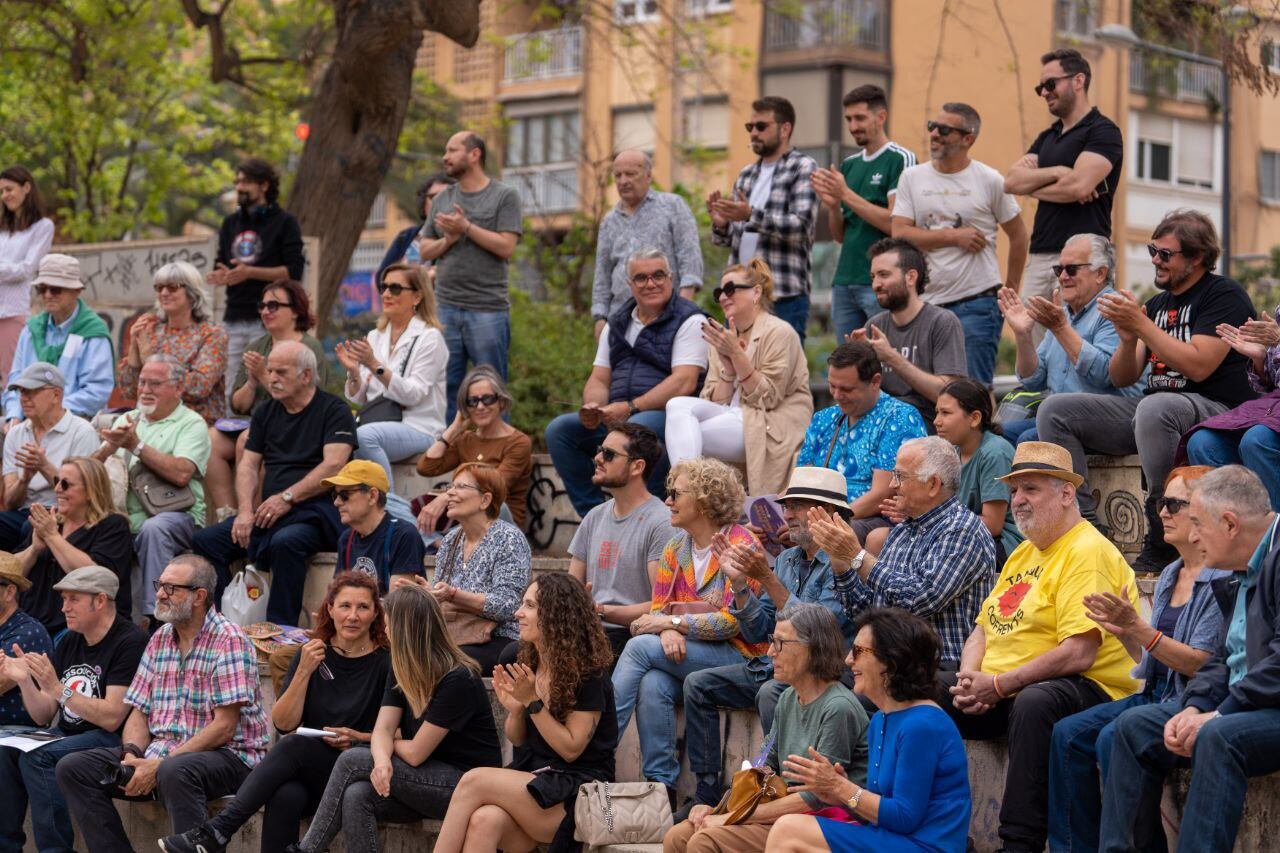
{"type": "Point", "coordinates": [775, 415]}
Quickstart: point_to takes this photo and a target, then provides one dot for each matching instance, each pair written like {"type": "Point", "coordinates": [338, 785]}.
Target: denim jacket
{"type": "Point", "coordinates": [1198, 624]}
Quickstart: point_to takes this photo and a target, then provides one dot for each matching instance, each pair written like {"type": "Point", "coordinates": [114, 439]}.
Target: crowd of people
{"type": "Point", "coordinates": [938, 571]}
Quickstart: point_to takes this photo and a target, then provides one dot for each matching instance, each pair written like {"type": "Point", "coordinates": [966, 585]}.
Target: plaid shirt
{"type": "Point", "coordinates": [785, 226]}
{"type": "Point", "coordinates": [179, 695]}
{"type": "Point", "coordinates": [940, 566]}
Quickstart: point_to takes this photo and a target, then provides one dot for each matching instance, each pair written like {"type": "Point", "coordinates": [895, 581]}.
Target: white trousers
{"type": "Point", "coordinates": [697, 427]}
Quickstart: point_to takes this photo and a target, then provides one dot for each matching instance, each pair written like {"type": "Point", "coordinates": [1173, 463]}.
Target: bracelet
{"type": "Point", "coordinates": [742, 380]}
{"type": "Point", "coordinates": [444, 440]}
{"type": "Point", "coordinates": [1154, 641]}
{"type": "Point", "coordinates": [131, 749]}
{"type": "Point", "coordinates": [995, 685]}
{"type": "Point", "coordinates": [852, 802]}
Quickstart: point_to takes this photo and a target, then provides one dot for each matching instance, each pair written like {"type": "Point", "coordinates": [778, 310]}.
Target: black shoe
{"type": "Point", "coordinates": [198, 840]}
{"type": "Point", "coordinates": [682, 814]}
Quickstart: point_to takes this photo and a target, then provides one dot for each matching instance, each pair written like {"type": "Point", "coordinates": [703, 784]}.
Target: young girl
{"type": "Point", "coordinates": [964, 419]}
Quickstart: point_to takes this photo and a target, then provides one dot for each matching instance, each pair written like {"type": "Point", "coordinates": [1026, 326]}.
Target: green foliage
{"type": "Point", "coordinates": [551, 352]}
{"type": "Point", "coordinates": [431, 119]}
{"type": "Point", "coordinates": [1261, 280]}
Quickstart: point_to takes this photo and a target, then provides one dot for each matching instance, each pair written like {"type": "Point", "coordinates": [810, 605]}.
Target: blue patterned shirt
{"type": "Point", "coordinates": [869, 445]}
{"type": "Point", "coordinates": [939, 566]}
{"type": "Point", "coordinates": [25, 630]}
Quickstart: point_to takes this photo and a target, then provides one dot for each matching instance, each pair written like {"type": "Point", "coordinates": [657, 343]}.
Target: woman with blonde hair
{"type": "Point", "coordinates": [397, 374]}
{"type": "Point", "coordinates": [84, 529]}
{"type": "Point", "coordinates": [755, 404]}
{"type": "Point", "coordinates": [180, 326]}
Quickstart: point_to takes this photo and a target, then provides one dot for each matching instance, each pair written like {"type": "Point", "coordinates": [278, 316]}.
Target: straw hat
{"type": "Point", "coordinates": [1041, 457]}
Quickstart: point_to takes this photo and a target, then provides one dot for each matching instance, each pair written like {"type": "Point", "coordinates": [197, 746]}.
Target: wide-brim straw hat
{"type": "Point", "coordinates": [1042, 457]}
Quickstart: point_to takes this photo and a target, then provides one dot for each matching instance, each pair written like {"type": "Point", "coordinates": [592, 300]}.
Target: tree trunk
{"type": "Point", "coordinates": [356, 118]}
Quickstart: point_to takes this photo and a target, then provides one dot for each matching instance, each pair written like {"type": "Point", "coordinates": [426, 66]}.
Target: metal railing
{"type": "Point", "coordinates": [1179, 79]}
{"type": "Point", "coordinates": [855, 23]}
{"type": "Point", "coordinates": [543, 55]}
{"type": "Point", "coordinates": [545, 189]}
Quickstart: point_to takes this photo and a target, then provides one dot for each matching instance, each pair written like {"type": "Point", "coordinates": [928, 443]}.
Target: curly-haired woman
{"type": "Point", "coordinates": [917, 792]}
{"type": "Point", "coordinates": [690, 625]}
{"type": "Point", "coordinates": [560, 711]}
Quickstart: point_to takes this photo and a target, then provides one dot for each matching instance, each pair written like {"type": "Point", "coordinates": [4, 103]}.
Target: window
{"type": "Point", "coordinates": [634, 129]}
{"type": "Point", "coordinates": [1271, 56]}
{"type": "Point", "coordinates": [1195, 154]}
{"type": "Point", "coordinates": [537, 140]}
{"type": "Point", "coordinates": [1179, 152]}
{"type": "Point", "coordinates": [378, 212]}
{"type": "Point", "coordinates": [706, 124]}
{"type": "Point", "coordinates": [708, 7]}
{"type": "Point", "coordinates": [1153, 160]}
{"type": "Point", "coordinates": [1269, 175]}
{"type": "Point", "coordinates": [1075, 18]}
{"type": "Point", "coordinates": [635, 11]}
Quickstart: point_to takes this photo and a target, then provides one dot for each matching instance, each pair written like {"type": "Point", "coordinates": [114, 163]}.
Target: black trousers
{"type": "Point", "coordinates": [1027, 720]}
{"type": "Point", "coordinates": [184, 784]}
{"type": "Point", "coordinates": [490, 653]}
{"type": "Point", "coordinates": [289, 782]}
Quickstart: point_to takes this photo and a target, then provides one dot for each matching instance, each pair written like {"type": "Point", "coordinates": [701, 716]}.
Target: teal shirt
{"type": "Point", "coordinates": [873, 178]}
{"type": "Point", "coordinates": [184, 434]}
{"type": "Point", "coordinates": [1237, 662]}
{"type": "Point", "coordinates": [978, 484]}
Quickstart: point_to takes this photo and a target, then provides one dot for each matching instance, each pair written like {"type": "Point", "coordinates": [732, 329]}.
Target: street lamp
{"type": "Point", "coordinates": [1121, 36]}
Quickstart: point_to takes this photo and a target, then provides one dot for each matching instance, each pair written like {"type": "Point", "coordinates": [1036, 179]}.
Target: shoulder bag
{"type": "Point", "coordinates": [751, 786]}
{"type": "Point", "coordinates": [384, 409]}
{"type": "Point", "coordinates": [621, 813]}
{"type": "Point", "coordinates": [467, 629]}
{"type": "Point", "coordinates": [158, 495]}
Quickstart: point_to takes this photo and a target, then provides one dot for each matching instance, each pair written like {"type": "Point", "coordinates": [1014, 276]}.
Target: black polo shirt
{"type": "Point", "coordinates": [1056, 223]}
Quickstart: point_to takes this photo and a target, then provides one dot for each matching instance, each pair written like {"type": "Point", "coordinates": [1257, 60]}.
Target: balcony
{"type": "Point", "coordinates": [545, 189]}
{"type": "Point", "coordinates": [544, 55]}
{"type": "Point", "coordinates": [861, 24]}
{"type": "Point", "coordinates": [1179, 79]}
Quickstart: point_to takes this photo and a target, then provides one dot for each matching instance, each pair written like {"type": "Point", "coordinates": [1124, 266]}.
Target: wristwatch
{"type": "Point", "coordinates": [67, 693]}
{"type": "Point", "coordinates": [534, 707]}
{"type": "Point", "coordinates": [379, 370]}
{"type": "Point", "coordinates": [138, 448]}
{"type": "Point", "coordinates": [287, 497]}
{"type": "Point", "coordinates": [676, 622]}
{"type": "Point", "coordinates": [852, 802]}
{"type": "Point", "coordinates": [631, 408]}
{"type": "Point", "coordinates": [861, 558]}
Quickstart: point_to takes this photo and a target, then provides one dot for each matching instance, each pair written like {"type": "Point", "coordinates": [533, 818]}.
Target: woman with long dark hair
{"type": "Point", "coordinates": [559, 711]}
{"type": "Point", "coordinates": [25, 237]}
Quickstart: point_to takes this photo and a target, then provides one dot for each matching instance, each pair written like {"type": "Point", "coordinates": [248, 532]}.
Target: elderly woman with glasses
{"type": "Point", "coordinates": [82, 530]}
{"type": "Point", "coordinates": [180, 326]}
{"type": "Point", "coordinates": [755, 405]}
{"type": "Point", "coordinates": [479, 434]}
{"type": "Point", "coordinates": [397, 373]}
{"type": "Point", "coordinates": [815, 712]}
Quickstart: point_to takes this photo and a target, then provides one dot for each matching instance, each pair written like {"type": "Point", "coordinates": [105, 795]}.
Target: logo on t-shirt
{"type": "Point", "coordinates": [246, 247]}
{"type": "Point", "coordinates": [877, 178]}
{"type": "Point", "coordinates": [83, 679]}
{"type": "Point", "coordinates": [1176, 322]}
{"type": "Point", "coordinates": [1006, 613]}
{"type": "Point", "coordinates": [366, 565]}
{"type": "Point", "coordinates": [607, 556]}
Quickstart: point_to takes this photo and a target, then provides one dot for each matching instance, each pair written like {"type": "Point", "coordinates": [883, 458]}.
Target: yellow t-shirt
{"type": "Point", "coordinates": [1039, 601]}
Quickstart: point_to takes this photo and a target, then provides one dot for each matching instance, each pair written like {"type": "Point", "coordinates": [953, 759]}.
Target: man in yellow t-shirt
{"type": "Point", "coordinates": [1035, 656]}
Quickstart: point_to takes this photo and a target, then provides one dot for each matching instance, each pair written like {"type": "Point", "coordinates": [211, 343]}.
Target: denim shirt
{"type": "Point", "coordinates": [1091, 373]}
{"type": "Point", "coordinates": [1198, 626]}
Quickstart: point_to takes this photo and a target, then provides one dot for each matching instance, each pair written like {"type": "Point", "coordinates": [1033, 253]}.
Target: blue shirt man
{"type": "Point", "coordinates": [16, 628]}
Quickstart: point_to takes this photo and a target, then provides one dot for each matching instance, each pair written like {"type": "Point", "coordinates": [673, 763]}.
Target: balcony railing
{"type": "Point", "coordinates": [828, 23]}
{"type": "Point", "coordinates": [543, 55]}
{"type": "Point", "coordinates": [1178, 79]}
{"type": "Point", "coordinates": [545, 189]}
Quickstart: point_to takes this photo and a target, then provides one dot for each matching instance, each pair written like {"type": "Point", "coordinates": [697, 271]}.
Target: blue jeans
{"type": "Point", "coordinates": [795, 310]}
{"type": "Point", "coordinates": [982, 322]}
{"type": "Point", "coordinates": [1227, 752]}
{"type": "Point", "coordinates": [1079, 753]}
{"type": "Point", "coordinates": [852, 305]}
{"type": "Point", "coordinates": [482, 337]}
{"type": "Point", "coordinates": [647, 682]}
{"type": "Point", "coordinates": [1016, 432]}
{"type": "Point", "coordinates": [27, 777]}
{"type": "Point", "coordinates": [572, 446]}
{"type": "Point", "coordinates": [1257, 448]}
{"type": "Point", "coordinates": [705, 693]}
{"type": "Point", "coordinates": [391, 441]}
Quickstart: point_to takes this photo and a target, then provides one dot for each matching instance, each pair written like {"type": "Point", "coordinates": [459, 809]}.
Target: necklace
{"type": "Point", "coordinates": [348, 653]}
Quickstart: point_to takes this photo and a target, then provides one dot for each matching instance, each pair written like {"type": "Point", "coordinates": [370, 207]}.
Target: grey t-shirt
{"type": "Point", "coordinates": [468, 276]}
{"type": "Point", "coordinates": [933, 341]}
{"type": "Point", "coordinates": [617, 551]}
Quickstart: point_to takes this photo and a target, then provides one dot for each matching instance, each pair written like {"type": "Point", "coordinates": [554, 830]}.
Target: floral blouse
{"type": "Point", "coordinates": [501, 567]}
{"type": "Point", "coordinates": [202, 347]}
{"type": "Point", "coordinates": [1270, 380]}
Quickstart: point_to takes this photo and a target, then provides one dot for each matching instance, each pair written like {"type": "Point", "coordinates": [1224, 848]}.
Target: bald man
{"type": "Point", "coordinates": [643, 217]}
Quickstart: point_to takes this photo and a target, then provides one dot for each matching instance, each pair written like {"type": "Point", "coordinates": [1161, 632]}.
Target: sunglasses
{"type": "Point", "coordinates": [1071, 269]}
{"type": "Point", "coordinates": [659, 277]}
{"type": "Point", "coordinates": [344, 495]}
{"type": "Point", "coordinates": [271, 306]}
{"type": "Point", "coordinates": [672, 494]}
{"type": "Point", "coordinates": [862, 650]}
{"type": "Point", "coordinates": [759, 126]}
{"type": "Point", "coordinates": [1165, 255]}
{"type": "Point", "coordinates": [1173, 506]}
{"type": "Point", "coordinates": [394, 289]}
{"type": "Point", "coordinates": [42, 289]}
{"type": "Point", "coordinates": [64, 484]}
{"type": "Point", "coordinates": [167, 288]}
{"type": "Point", "coordinates": [486, 399]}
{"type": "Point", "coordinates": [169, 588]}
{"type": "Point", "coordinates": [729, 289]}
{"type": "Point", "coordinates": [1051, 84]}
{"type": "Point", "coordinates": [609, 454]}
{"type": "Point", "coordinates": [945, 130]}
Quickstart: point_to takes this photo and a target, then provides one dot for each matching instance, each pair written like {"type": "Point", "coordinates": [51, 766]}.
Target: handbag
{"type": "Point", "coordinates": [751, 786]}
{"type": "Point", "coordinates": [466, 629]}
{"type": "Point", "coordinates": [384, 409]}
{"type": "Point", "coordinates": [621, 813]}
{"type": "Point", "coordinates": [158, 495]}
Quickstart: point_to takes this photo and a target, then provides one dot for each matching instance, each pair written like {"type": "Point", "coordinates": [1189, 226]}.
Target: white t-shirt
{"type": "Point", "coordinates": [759, 198]}
{"type": "Point", "coordinates": [688, 347]}
{"type": "Point", "coordinates": [974, 197]}
{"type": "Point", "coordinates": [701, 561]}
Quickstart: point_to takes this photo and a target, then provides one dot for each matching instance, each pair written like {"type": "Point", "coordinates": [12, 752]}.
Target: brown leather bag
{"type": "Point", "coordinates": [750, 788]}
{"type": "Point", "coordinates": [466, 629]}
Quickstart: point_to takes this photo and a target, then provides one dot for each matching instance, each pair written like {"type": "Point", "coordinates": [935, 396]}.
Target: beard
{"type": "Point", "coordinates": [801, 536]}
{"type": "Point", "coordinates": [1172, 281]}
{"type": "Point", "coordinates": [604, 481]}
{"type": "Point", "coordinates": [895, 299]}
{"type": "Point", "coordinates": [244, 200]}
{"type": "Point", "coordinates": [764, 148]}
{"type": "Point", "coordinates": [174, 612]}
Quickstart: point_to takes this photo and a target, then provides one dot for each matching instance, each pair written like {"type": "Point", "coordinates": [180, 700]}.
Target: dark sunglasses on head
{"type": "Point", "coordinates": [759, 126]}
{"type": "Point", "coordinates": [1051, 84]}
{"type": "Point", "coordinates": [1071, 269]}
{"type": "Point", "coordinates": [945, 130]}
{"type": "Point", "coordinates": [730, 289]}
{"type": "Point", "coordinates": [609, 454]}
{"type": "Point", "coordinates": [486, 399]}
{"type": "Point", "coordinates": [395, 288]}
{"type": "Point", "coordinates": [1173, 506]}
{"type": "Point", "coordinates": [1165, 255]}
{"type": "Point", "coordinates": [271, 306]}
{"type": "Point", "coordinates": [343, 495]}
{"type": "Point", "coordinates": [167, 287]}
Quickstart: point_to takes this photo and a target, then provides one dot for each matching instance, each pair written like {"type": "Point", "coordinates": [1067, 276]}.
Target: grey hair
{"type": "Point", "coordinates": [183, 273]}
{"type": "Point", "coordinates": [970, 115]}
{"type": "Point", "coordinates": [1233, 488]}
{"type": "Point", "coordinates": [484, 373]}
{"type": "Point", "coordinates": [306, 360]}
{"type": "Point", "coordinates": [938, 458]}
{"type": "Point", "coordinates": [646, 160]}
{"type": "Point", "coordinates": [203, 574]}
{"type": "Point", "coordinates": [1102, 253]}
{"type": "Point", "coordinates": [818, 628]}
{"type": "Point", "coordinates": [177, 370]}
{"type": "Point", "coordinates": [648, 253]}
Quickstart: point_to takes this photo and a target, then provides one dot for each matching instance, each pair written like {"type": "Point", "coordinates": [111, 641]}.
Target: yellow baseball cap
{"type": "Point", "coordinates": [361, 472]}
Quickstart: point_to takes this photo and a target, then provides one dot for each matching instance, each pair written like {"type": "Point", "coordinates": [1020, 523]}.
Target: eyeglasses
{"type": "Point", "coordinates": [169, 588]}
{"type": "Point", "coordinates": [776, 642]}
{"type": "Point", "coordinates": [1051, 84]}
{"type": "Point", "coordinates": [42, 289]}
{"type": "Point", "coordinates": [64, 484]}
{"type": "Point", "coordinates": [456, 485]}
{"type": "Point", "coordinates": [271, 306]}
{"type": "Point", "coordinates": [1173, 506]}
{"type": "Point", "coordinates": [672, 494]}
{"type": "Point", "coordinates": [395, 288]}
{"type": "Point", "coordinates": [486, 399]}
{"type": "Point", "coordinates": [862, 650]}
{"type": "Point", "coordinates": [324, 671]}
{"type": "Point", "coordinates": [945, 130]}
{"type": "Point", "coordinates": [609, 454]}
{"type": "Point", "coordinates": [343, 495]}
{"type": "Point", "coordinates": [896, 477]}
{"type": "Point", "coordinates": [1071, 269]}
{"type": "Point", "coordinates": [152, 383]}
{"type": "Point", "coordinates": [730, 289]}
{"type": "Point", "coordinates": [167, 287]}
{"type": "Point", "coordinates": [659, 277]}
{"type": "Point", "coordinates": [759, 126]}
{"type": "Point", "coordinates": [1165, 255]}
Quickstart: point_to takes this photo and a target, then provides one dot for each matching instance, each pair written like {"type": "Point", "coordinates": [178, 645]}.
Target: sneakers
{"type": "Point", "coordinates": [198, 840]}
